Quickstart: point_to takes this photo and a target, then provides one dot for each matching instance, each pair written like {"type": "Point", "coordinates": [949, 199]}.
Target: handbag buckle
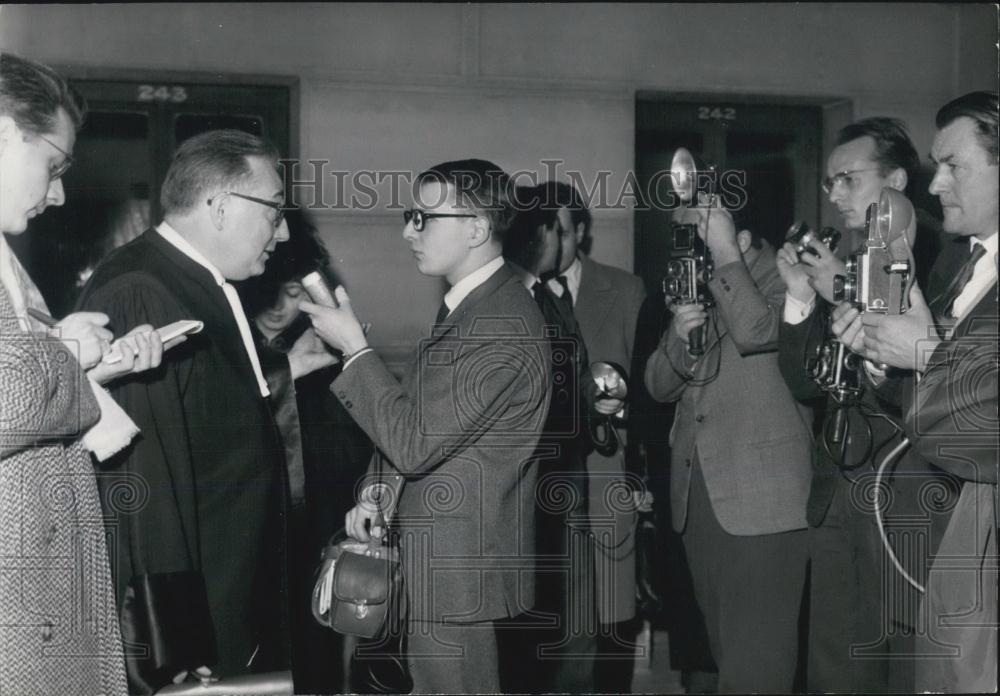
{"type": "Point", "coordinates": [361, 610]}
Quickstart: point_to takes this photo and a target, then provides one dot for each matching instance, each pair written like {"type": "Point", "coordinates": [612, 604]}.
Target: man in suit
{"type": "Point", "coordinates": [740, 462]}
{"type": "Point", "coordinates": [457, 436]}
{"type": "Point", "coordinates": [202, 560]}
{"type": "Point", "coordinates": [951, 414]}
{"type": "Point", "coordinates": [861, 613]}
{"type": "Point", "coordinates": [605, 302]}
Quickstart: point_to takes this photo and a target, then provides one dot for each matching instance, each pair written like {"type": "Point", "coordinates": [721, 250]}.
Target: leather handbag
{"type": "Point", "coordinates": [359, 589]}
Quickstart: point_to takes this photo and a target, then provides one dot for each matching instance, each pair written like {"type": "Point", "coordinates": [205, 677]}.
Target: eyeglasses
{"type": "Point", "coordinates": [846, 178]}
{"type": "Point", "coordinates": [278, 208]}
{"type": "Point", "coordinates": [420, 217]}
{"type": "Point", "coordinates": [57, 171]}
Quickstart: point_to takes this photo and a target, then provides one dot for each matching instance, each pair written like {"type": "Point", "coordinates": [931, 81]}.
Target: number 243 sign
{"type": "Point", "coordinates": [161, 93]}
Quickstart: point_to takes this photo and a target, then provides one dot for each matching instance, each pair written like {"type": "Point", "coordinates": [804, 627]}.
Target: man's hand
{"type": "Point", "coordinates": [901, 340]}
{"type": "Point", "coordinates": [203, 673]}
{"type": "Point", "coordinates": [821, 269]}
{"type": "Point", "coordinates": [717, 230]}
{"type": "Point", "coordinates": [309, 354]}
{"type": "Point", "coordinates": [141, 349]}
{"type": "Point", "coordinates": [847, 327]}
{"type": "Point", "coordinates": [795, 274]}
{"type": "Point", "coordinates": [688, 317]}
{"type": "Point", "coordinates": [337, 326]}
{"type": "Point", "coordinates": [85, 336]}
{"type": "Point", "coordinates": [364, 520]}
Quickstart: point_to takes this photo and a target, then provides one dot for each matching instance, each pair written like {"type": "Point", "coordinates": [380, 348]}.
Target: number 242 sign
{"type": "Point", "coordinates": [161, 93]}
{"type": "Point", "coordinates": [708, 113]}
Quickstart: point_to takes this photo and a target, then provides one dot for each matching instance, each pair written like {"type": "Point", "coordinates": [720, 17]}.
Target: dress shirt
{"type": "Point", "coordinates": [232, 297]}
{"type": "Point", "coordinates": [984, 274]}
{"type": "Point", "coordinates": [573, 275]}
{"type": "Point", "coordinates": [796, 311]}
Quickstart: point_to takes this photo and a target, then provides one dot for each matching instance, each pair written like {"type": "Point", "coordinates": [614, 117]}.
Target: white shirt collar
{"type": "Point", "coordinates": [573, 275]}
{"type": "Point", "coordinates": [527, 277]}
{"type": "Point", "coordinates": [174, 238]}
{"type": "Point", "coordinates": [460, 290]}
{"type": "Point", "coordinates": [990, 244]}
{"type": "Point", "coordinates": [185, 247]}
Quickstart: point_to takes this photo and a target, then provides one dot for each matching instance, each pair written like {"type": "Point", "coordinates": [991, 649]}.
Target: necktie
{"type": "Point", "coordinates": [941, 306]}
{"type": "Point", "coordinates": [442, 313]}
{"type": "Point", "coordinates": [559, 314]}
{"type": "Point", "coordinates": [562, 280]}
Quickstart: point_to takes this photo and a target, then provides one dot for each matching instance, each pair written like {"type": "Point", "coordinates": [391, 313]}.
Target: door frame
{"type": "Point", "coordinates": [836, 112]}
{"type": "Point", "coordinates": [151, 76]}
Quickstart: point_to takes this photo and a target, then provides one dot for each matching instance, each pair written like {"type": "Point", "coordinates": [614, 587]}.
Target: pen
{"type": "Point", "coordinates": [41, 316]}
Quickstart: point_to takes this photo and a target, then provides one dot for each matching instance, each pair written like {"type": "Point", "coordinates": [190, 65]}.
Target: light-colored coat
{"type": "Point", "coordinates": [753, 439]}
{"type": "Point", "coordinates": [607, 310]}
{"type": "Point", "coordinates": [58, 627]}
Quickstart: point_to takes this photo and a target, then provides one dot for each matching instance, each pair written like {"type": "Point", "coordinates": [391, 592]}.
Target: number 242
{"type": "Point", "coordinates": [707, 113]}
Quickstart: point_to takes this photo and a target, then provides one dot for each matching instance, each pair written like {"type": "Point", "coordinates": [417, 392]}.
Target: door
{"type": "Point", "coordinates": [778, 145]}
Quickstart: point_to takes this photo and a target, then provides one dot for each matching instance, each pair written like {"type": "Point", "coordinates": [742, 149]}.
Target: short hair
{"type": "Point", "coordinates": [32, 94]}
{"type": "Point", "coordinates": [211, 162]}
{"type": "Point", "coordinates": [480, 184]}
{"type": "Point", "coordinates": [981, 107]}
{"type": "Point", "coordinates": [293, 259]}
{"type": "Point", "coordinates": [564, 195]}
{"type": "Point", "coordinates": [522, 242]}
{"type": "Point", "coordinates": [893, 147]}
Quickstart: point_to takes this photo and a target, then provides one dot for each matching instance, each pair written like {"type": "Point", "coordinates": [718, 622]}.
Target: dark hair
{"type": "Point", "coordinates": [981, 107]}
{"type": "Point", "coordinates": [211, 162]}
{"type": "Point", "coordinates": [522, 243]}
{"type": "Point", "coordinates": [477, 183]}
{"type": "Point", "coordinates": [893, 147]}
{"type": "Point", "coordinates": [300, 255]}
{"type": "Point", "coordinates": [564, 195]}
{"type": "Point", "coordinates": [32, 94]}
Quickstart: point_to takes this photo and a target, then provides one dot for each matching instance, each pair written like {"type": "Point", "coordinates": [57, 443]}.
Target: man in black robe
{"type": "Point", "coordinates": [197, 504]}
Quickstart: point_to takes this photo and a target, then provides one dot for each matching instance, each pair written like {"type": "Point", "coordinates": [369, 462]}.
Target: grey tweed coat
{"type": "Point", "coordinates": [58, 629]}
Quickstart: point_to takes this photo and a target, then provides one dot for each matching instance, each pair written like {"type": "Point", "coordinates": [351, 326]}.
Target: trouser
{"type": "Point", "coordinates": [860, 607]}
{"type": "Point", "coordinates": [749, 589]}
{"type": "Point", "coordinates": [453, 658]}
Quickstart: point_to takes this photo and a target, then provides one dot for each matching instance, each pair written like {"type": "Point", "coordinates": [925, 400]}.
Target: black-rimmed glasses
{"type": "Point", "coordinates": [846, 178]}
{"type": "Point", "coordinates": [278, 208]}
{"type": "Point", "coordinates": [420, 217]}
{"type": "Point", "coordinates": [59, 170]}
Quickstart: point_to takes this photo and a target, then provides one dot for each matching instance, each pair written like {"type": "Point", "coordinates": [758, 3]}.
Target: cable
{"type": "Point", "coordinates": [878, 514]}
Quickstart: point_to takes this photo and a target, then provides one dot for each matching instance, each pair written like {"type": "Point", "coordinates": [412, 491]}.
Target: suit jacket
{"type": "Point", "coordinates": [933, 271]}
{"type": "Point", "coordinates": [607, 310]}
{"type": "Point", "coordinates": [52, 545]}
{"type": "Point", "coordinates": [952, 423]}
{"type": "Point", "coordinates": [753, 440]}
{"type": "Point", "coordinates": [209, 454]}
{"type": "Point", "coordinates": [457, 439]}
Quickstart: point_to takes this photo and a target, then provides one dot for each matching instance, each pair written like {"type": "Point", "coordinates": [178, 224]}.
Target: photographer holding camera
{"type": "Point", "coordinates": [854, 605]}
{"type": "Point", "coordinates": [740, 472]}
{"type": "Point", "coordinates": [951, 412]}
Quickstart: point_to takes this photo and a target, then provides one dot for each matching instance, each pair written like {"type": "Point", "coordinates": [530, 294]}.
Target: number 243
{"type": "Point", "coordinates": [162, 93]}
